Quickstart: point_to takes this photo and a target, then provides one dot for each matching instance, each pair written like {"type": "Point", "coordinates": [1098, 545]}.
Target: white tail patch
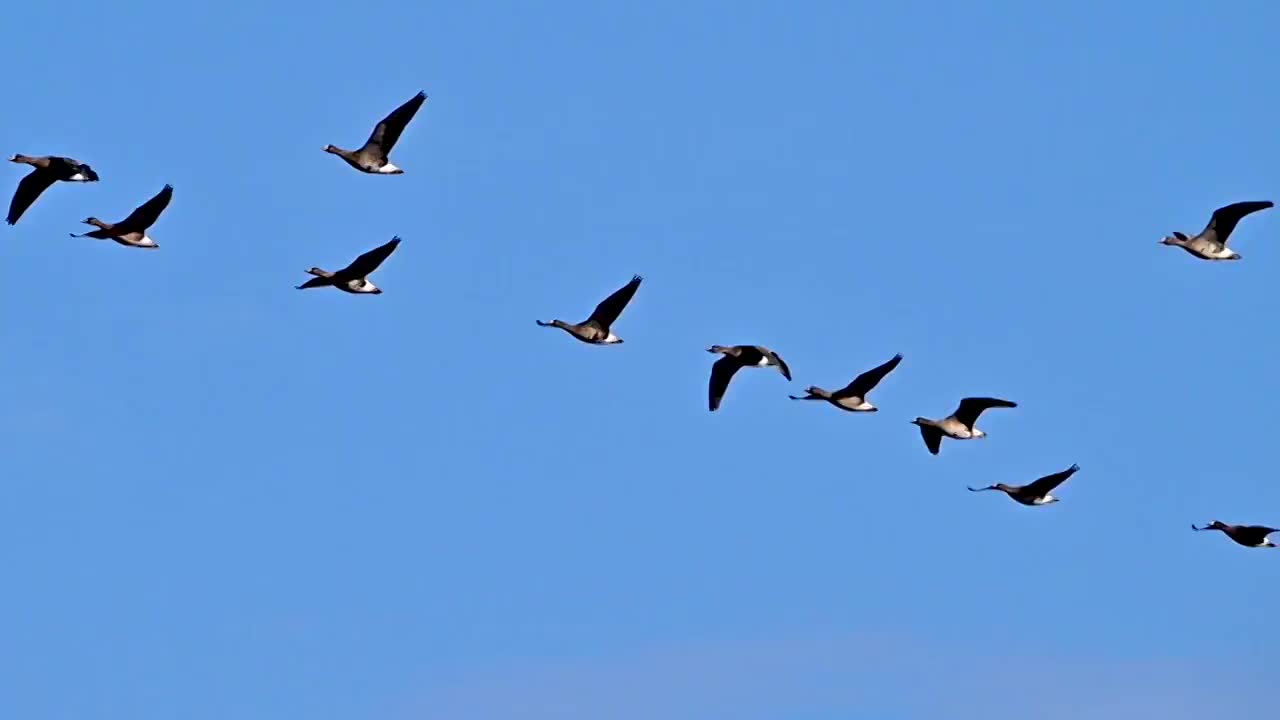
{"type": "Point", "coordinates": [612, 338]}
{"type": "Point", "coordinates": [79, 177]}
{"type": "Point", "coordinates": [389, 169]}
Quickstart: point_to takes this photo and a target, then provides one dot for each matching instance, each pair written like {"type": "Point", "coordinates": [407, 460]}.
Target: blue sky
{"type": "Point", "coordinates": [227, 498]}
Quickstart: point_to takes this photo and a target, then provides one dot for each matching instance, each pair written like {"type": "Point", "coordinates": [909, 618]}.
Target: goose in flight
{"type": "Point", "coordinates": [48, 170]}
{"type": "Point", "coordinates": [132, 231]}
{"type": "Point", "coordinates": [1246, 535]}
{"type": "Point", "coordinates": [1211, 243]}
{"type": "Point", "coordinates": [853, 397]}
{"type": "Point", "coordinates": [373, 156]}
{"type": "Point", "coordinates": [736, 357]}
{"type": "Point", "coordinates": [1035, 493]}
{"type": "Point", "coordinates": [595, 330]}
{"type": "Point", "coordinates": [353, 278]}
{"type": "Point", "coordinates": [959, 425]}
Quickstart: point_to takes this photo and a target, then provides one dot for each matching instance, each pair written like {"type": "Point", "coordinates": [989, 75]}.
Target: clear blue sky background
{"type": "Point", "coordinates": [224, 498]}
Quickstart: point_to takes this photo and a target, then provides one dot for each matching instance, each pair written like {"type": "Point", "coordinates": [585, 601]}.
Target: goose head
{"type": "Point", "coordinates": [1215, 525]}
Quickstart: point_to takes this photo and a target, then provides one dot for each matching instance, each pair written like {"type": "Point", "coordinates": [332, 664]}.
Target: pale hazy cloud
{"type": "Point", "coordinates": [848, 676]}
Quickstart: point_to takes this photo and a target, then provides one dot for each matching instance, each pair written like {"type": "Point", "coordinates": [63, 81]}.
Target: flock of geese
{"type": "Point", "coordinates": [374, 158]}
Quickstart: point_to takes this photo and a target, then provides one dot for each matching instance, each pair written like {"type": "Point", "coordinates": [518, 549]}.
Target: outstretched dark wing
{"type": "Point", "coordinates": [315, 282]}
{"type": "Point", "coordinates": [932, 438]}
{"type": "Point", "coordinates": [971, 408]}
{"type": "Point", "coordinates": [722, 372]}
{"type": "Point", "coordinates": [29, 188]}
{"type": "Point", "coordinates": [611, 307]}
{"type": "Point", "coordinates": [1225, 218]}
{"type": "Point", "coordinates": [364, 265]}
{"type": "Point", "coordinates": [146, 213]}
{"type": "Point", "coordinates": [72, 167]}
{"type": "Point", "coordinates": [782, 365]}
{"type": "Point", "coordinates": [1046, 484]}
{"type": "Point", "coordinates": [386, 133]}
{"type": "Point", "coordinates": [865, 382]}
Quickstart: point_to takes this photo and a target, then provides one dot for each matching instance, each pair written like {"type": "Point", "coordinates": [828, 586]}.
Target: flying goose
{"type": "Point", "coordinates": [132, 231]}
{"type": "Point", "coordinates": [1211, 243]}
{"type": "Point", "coordinates": [1035, 493]}
{"type": "Point", "coordinates": [959, 424]}
{"type": "Point", "coordinates": [735, 357]}
{"type": "Point", "coordinates": [1247, 535]}
{"type": "Point", "coordinates": [354, 278]}
{"type": "Point", "coordinates": [853, 397]}
{"type": "Point", "coordinates": [48, 170]}
{"type": "Point", "coordinates": [372, 157]}
{"type": "Point", "coordinates": [595, 329]}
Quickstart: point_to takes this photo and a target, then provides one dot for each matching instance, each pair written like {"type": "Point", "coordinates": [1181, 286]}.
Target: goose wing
{"type": "Point", "coordinates": [777, 360]}
{"type": "Point", "coordinates": [29, 188]}
{"type": "Point", "coordinates": [932, 438]}
{"type": "Point", "coordinates": [971, 408]}
{"type": "Point", "coordinates": [71, 166]}
{"type": "Point", "coordinates": [865, 382]}
{"type": "Point", "coordinates": [722, 372]}
{"type": "Point", "coordinates": [364, 265]}
{"type": "Point", "coordinates": [386, 133]}
{"type": "Point", "coordinates": [1225, 218]}
{"type": "Point", "coordinates": [611, 307]}
{"type": "Point", "coordinates": [1046, 484]}
{"type": "Point", "coordinates": [146, 213]}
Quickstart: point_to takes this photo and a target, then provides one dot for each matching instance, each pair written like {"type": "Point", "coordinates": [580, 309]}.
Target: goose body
{"type": "Point", "coordinates": [853, 397]}
{"type": "Point", "coordinates": [47, 170]}
{"type": "Point", "coordinates": [132, 231]}
{"type": "Point", "coordinates": [959, 425]}
{"type": "Point", "coordinates": [597, 329]}
{"type": "Point", "coordinates": [1254, 536]}
{"type": "Point", "coordinates": [1211, 242]}
{"type": "Point", "coordinates": [1034, 493]}
{"type": "Point", "coordinates": [354, 277]}
{"type": "Point", "coordinates": [374, 156]}
{"type": "Point", "coordinates": [735, 358]}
